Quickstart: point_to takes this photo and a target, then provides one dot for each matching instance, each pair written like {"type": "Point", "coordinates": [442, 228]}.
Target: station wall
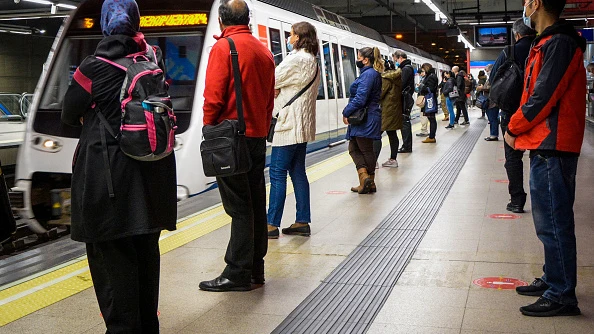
{"type": "Point", "coordinates": [21, 61]}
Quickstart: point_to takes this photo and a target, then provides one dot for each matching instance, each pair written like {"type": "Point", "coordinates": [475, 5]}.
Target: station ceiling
{"type": "Point", "coordinates": [415, 23]}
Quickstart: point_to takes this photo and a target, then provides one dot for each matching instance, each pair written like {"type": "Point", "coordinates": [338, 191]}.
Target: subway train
{"type": "Point", "coordinates": [184, 30]}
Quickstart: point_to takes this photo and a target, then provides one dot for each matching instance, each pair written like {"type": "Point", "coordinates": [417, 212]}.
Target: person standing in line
{"type": "Point", "coordinates": [391, 103]}
{"type": "Point", "coordinates": [443, 102]}
{"type": "Point", "coordinates": [365, 93]}
{"type": "Point", "coordinates": [460, 100]}
{"type": "Point", "coordinates": [408, 88]}
{"type": "Point", "coordinates": [551, 124]}
{"type": "Point", "coordinates": [429, 85]}
{"type": "Point", "coordinates": [448, 88]}
{"type": "Point", "coordinates": [514, 166]}
{"type": "Point", "coordinates": [295, 127]}
{"type": "Point", "coordinates": [121, 230]}
{"type": "Point", "coordinates": [482, 81]}
{"type": "Point", "coordinates": [243, 195]}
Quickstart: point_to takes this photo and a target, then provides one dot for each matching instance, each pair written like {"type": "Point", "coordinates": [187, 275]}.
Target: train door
{"type": "Point", "coordinates": [334, 87]}
{"type": "Point", "coordinates": [279, 32]}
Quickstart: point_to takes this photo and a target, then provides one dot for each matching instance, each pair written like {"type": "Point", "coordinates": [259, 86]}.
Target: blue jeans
{"type": "Point", "coordinates": [289, 159]}
{"type": "Point", "coordinates": [450, 106]}
{"type": "Point", "coordinates": [493, 116]}
{"type": "Point", "coordinates": [552, 190]}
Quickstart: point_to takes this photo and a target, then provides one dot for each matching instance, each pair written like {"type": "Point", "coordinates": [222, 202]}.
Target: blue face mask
{"type": "Point", "coordinates": [397, 64]}
{"type": "Point", "coordinates": [527, 19]}
{"type": "Point", "coordinates": [289, 45]}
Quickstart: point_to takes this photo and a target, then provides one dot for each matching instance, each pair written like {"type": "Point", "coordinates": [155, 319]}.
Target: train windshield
{"type": "Point", "coordinates": [179, 34]}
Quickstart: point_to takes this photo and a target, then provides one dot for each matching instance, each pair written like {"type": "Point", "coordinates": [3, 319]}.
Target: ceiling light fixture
{"type": "Point", "coordinates": [52, 4]}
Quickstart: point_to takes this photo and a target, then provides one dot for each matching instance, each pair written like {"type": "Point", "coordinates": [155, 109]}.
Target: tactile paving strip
{"type": "Point", "coordinates": [348, 300]}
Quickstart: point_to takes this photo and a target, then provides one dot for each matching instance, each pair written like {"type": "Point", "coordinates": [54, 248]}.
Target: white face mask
{"type": "Point", "coordinates": [527, 19]}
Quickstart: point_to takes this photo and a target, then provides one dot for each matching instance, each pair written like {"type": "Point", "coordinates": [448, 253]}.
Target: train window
{"type": "Point", "coordinates": [337, 71]}
{"type": "Point", "coordinates": [321, 94]}
{"type": "Point", "coordinates": [275, 45]}
{"type": "Point", "coordinates": [328, 64]}
{"type": "Point", "coordinates": [348, 67]}
{"type": "Point", "coordinates": [181, 55]}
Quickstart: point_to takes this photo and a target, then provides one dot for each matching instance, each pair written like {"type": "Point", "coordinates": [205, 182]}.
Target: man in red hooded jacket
{"type": "Point", "coordinates": [244, 195]}
{"type": "Point", "coordinates": [550, 123]}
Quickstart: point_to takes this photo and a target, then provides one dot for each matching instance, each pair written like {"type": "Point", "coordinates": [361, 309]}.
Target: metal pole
{"type": "Point", "coordinates": [391, 19]}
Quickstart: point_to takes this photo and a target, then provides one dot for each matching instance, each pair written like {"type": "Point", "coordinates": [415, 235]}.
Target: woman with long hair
{"type": "Point", "coordinates": [296, 125]}
{"type": "Point", "coordinates": [429, 85]}
{"type": "Point", "coordinates": [365, 92]}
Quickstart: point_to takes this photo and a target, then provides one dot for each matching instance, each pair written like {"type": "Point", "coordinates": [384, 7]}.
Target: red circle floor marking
{"type": "Point", "coordinates": [504, 216]}
{"type": "Point", "coordinates": [502, 181]}
{"type": "Point", "coordinates": [499, 283]}
{"type": "Point", "coordinates": [336, 192]}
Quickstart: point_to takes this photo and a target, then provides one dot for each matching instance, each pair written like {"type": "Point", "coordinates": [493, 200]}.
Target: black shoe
{"type": "Point", "coordinates": [465, 123]}
{"type": "Point", "coordinates": [221, 284]}
{"type": "Point", "coordinates": [515, 208]}
{"type": "Point", "coordinates": [273, 234]}
{"type": "Point", "coordinates": [548, 308]}
{"type": "Point", "coordinates": [536, 288]}
{"type": "Point", "coordinates": [491, 138]}
{"type": "Point", "coordinates": [422, 134]}
{"type": "Point", "coordinates": [403, 150]}
{"type": "Point", "coordinates": [449, 127]}
{"type": "Point", "coordinates": [304, 231]}
{"type": "Point", "coordinates": [258, 279]}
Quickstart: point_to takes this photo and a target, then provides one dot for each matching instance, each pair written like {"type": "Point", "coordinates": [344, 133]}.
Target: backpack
{"type": "Point", "coordinates": [507, 87]}
{"type": "Point", "coordinates": [467, 86]}
{"type": "Point", "coordinates": [148, 124]}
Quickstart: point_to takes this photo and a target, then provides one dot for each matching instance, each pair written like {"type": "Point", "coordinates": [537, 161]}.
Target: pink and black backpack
{"type": "Point", "coordinates": [147, 131]}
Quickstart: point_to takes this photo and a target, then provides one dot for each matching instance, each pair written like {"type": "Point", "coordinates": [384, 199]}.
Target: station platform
{"type": "Point", "coordinates": [433, 251]}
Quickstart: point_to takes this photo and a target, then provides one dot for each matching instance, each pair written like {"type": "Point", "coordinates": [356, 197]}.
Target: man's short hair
{"type": "Point", "coordinates": [399, 54]}
{"type": "Point", "coordinates": [523, 30]}
{"type": "Point", "coordinates": [234, 13]}
{"type": "Point", "coordinates": [554, 7]}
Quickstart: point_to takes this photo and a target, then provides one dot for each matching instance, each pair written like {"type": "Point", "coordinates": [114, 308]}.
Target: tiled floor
{"type": "Point", "coordinates": [435, 294]}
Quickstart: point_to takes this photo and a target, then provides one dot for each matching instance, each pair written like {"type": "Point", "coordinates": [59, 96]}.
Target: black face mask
{"type": "Point", "coordinates": [360, 64]}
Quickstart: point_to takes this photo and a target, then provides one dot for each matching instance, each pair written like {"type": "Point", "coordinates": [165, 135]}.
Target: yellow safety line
{"type": "Point", "coordinates": [30, 296]}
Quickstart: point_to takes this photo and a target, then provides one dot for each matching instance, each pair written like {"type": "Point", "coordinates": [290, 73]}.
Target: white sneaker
{"type": "Point", "coordinates": [391, 163]}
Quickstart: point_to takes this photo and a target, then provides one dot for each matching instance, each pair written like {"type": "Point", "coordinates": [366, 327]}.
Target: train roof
{"type": "Point", "coordinates": [306, 9]}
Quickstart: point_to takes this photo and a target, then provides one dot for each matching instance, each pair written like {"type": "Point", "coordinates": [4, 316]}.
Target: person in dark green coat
{"type": "Point", "coordinates": [391, 103]}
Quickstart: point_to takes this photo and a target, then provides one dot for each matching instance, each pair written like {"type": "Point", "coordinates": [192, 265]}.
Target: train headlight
{"type": "Point", "coordinates": [47, 144]}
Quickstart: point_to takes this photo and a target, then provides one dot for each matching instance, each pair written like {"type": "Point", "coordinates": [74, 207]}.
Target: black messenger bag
{"type": "Point", "coordinates": [224, 149]}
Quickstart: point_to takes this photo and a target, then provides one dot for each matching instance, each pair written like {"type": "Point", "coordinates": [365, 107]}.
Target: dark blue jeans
{"type": "Point", "coordinates": [289, 159]}
{"type": "Point", "coordinates": [493, 116]}
{"type": "Point", "coordinates": [552, 190]}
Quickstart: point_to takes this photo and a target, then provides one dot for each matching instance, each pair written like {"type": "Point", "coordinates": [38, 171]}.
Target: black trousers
{"type": "Point", "coordinates": [125, 276]}
{"type": "Point", "coordinates": [244, 199]}
{"type": "Point", "coordinates": [514, 167]}
{"type": "Point", "coordinates": [461, 107]}
{"type": "Point", "coordinates": [394, 144]}
{"type": "Point", "coordinates": [406, 132]}
{"type": "Point", "coordinates": [432, 125]}
{"type": "Point", "coordinates": [361, 150]}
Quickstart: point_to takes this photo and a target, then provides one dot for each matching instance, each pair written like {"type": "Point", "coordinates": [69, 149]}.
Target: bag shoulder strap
{"type": "Point", "coordinates": [302, 91]}
{"type": "Point", "coordinates": [237, 79]}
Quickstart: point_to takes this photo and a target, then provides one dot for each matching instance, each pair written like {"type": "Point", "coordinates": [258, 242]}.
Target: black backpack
{"type": "Point", "coordinates": [508, 85]}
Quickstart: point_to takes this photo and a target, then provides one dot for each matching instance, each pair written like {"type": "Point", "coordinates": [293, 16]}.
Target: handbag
{"type": "Point", "coordinates": [430, 104]}
{"type": "Point", "coordinates": [420, 101]}
{"type": "Point", "coordinates": [275, 118]}
{"type": "Point", "coordinates": [454, 93]}
{"type": "Point", "coordinates": [224, 149]}
{"type": "Point", "coordinates": [358, 117]}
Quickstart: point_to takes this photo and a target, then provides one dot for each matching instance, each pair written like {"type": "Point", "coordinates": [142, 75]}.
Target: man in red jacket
{"type": "Point", "coordinates": [244, 195]}
{"type": "Point", "coordinates": [550, 123]}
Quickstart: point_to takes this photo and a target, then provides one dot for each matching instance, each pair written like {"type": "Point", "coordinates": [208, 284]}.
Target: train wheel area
{"type": "Point", "coordinates": [434, 250]}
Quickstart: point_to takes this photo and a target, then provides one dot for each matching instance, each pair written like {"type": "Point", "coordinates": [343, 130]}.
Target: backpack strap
{"type": "Point", "coordinates": [237, 79]}
{"type": "Point", "coordinates": [104, 125]}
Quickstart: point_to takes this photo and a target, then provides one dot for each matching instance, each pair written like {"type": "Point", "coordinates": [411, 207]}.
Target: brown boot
{"type": "Point", "coordinates": [364, 182]}
{"type": "Point", "coordinates": [372, 188]}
